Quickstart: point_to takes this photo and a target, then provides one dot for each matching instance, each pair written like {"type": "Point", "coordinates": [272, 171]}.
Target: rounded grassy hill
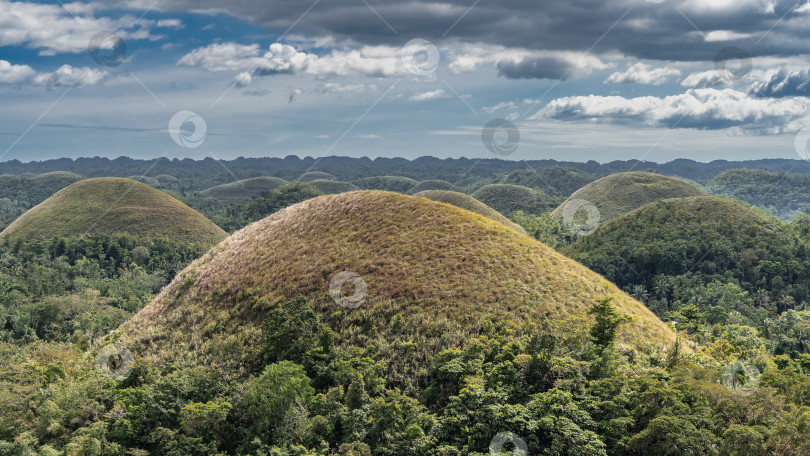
{"type": "Point", "coordinates": [433, 184]}
{"type": "Point", "coordinates": [435, 276]}
{"type": "Point", "coordinates": [508, 198]}
{"type": "Point", "coordinates": [35, 188]}
{"type": "Point", "coordinates": [111, 205]}
{"type": "Point", "coordinates": [699, 239]}
{"type": "Point", "coordinates": [618, 194]}
{"type": "Point", "coordinates": [168, 181]}
{"type": "Point", "coordinates": [329, 187]}
{"type": "Point", "coordinates": [310, 176]}
{"type": "Point", "coordinates": [150, 181]}
{"type": "Point", "coordinates": [782, 194]}
{"type": "Point", "coordinates": [245, 188]}
{"type": "Point", "coordinates": [56, 178]}
{"type": "Point", "coordinates": [469, 203]}
{"type": "Point", "coordinates": [399, 184]}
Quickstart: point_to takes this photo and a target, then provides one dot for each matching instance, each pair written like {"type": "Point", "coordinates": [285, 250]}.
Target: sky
{"type": "Point", "coordinates": [571, 80]}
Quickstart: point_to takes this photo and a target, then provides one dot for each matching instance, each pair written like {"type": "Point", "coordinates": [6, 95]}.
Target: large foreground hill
{"type": "Point", "coordinates": [435, 275]}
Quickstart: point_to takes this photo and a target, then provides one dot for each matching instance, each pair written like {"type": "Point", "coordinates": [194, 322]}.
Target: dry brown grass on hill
{"type": "Point", "coordinates": [436, 275]}
{"type": "Point", "coordinates": [618, 194]}
{"type": "Point", "coordinates": [112, 205]}
{"type": "Point", "coordinates": [469, 203]}
{"type": "Point", "coordinates": [245, 188]}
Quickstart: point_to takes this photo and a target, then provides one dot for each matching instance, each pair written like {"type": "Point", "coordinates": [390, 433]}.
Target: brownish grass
{"type": "Point", "coordinates": [469, 203]}
{"type": "Point", "coordinates": [245, 188]}
{"type": "Point", "coordinates": [618, 194]}
{"type": "Point", "coordinates": [111, 205]}
{"type": "Point", "coordinates": [436, 275]}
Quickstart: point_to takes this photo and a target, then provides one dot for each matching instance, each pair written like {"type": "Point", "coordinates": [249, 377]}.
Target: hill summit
{"type": "Point", "coordinates": [428, 273]}
{"type": "Point", "coordinates": [694, 240]}
{"type": "Point", "coordinates": [618, 194]}
{"type": "Point", "coordinates": [245, 188]}
{"type": "Point", "coordinates": [112, 205]}
{"type": "Point", "coordinates": [469, 203]}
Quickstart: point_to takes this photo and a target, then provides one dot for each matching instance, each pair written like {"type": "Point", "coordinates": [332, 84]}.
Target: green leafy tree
{"type": "Point", "coordinates": [608, 320]}
{"type": "Point", "coordinates": [281, 389]}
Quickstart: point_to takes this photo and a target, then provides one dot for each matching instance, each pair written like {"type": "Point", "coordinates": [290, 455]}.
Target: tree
{"type": "Point", "coordinates": [271, 397]}
{"type": "Point", "coordinates": [673, 436]}
{"type": "Point", "coordinates": [290, 331]}
{"type": "Point", "coordinates": [608, 320]}
{"type": "Point", "coordinates": [204, 418]}
{"type": "Point", "coordinates": [743, 441]}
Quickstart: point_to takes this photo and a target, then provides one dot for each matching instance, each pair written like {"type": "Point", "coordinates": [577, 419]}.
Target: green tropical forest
{"type": "Point", "coordinates": [473, 321]}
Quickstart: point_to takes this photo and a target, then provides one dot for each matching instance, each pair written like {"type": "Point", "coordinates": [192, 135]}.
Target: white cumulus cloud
{"type": "Point", "coordinates": [66, 75]}
{"type": "Point", "coordinates": [14, 74]}
{"type": "Point", "coordinates": [641, 73]}
{"type": "Point", "coordinates": [54, 29]}
{"type": "Point", "coordinates": [372, 61]}
{"type": "Point", "coordinates": [432, 95]}
{"type": "Point", "coordinates": [708, 109]}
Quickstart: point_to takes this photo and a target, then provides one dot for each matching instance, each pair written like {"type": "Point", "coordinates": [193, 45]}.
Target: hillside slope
{"type": "Point", "coordinates": [22, 192]}
{"type": "Point", "coordinates": [399, 184]}
{"type": "Point", "coordinates": [245, 188]}
{"type": "Point", "coordinates": [435, 275]}
{"type": "Point", "coordinates": [469, 203]}
{"type": "Point", "coordinates": [670, 246]}
{"type": "Point", "coordinates": [618, 194]}
{"type": "Point", "coordinates": [111, 205]}
{"type": "Point", "coordinates": [330, 186]}
{"type": "Point", "coordinates": [508, 198]}
{"type": "Point", "coordinates": [783, 194]}
{"type": "Point", "coordinates": [433, 184]}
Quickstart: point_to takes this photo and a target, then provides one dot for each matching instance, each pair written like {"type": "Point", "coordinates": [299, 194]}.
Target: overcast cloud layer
{"type": "Point", "coordinates": [387, 77]}
{"type": "Point", "coordinates": [638, 28]}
